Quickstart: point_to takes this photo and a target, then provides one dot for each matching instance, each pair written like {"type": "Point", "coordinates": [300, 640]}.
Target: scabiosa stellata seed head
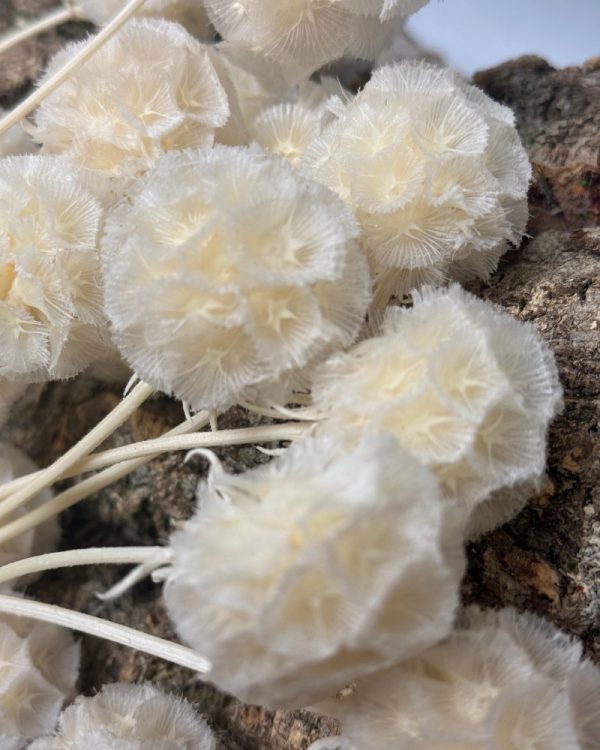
{"type": "Point", "coordinates": [150, 89]}
{"type": "Point", "coordinates": [303, 35]}
{"type": "Point", "coordinates": [226, 268]}
{"type": "Point", "coordinates": [40, 665]}
{"type": "Point", "coordinates": [501, 680]}
{"type": "Point", "coordinates": [16, 141]}
{"type": "Point", "coordinates": [40, 540]}
{"type": "Point", "coordinates": [466, 388]}
{"type": "Point", "coordinates": [129, 717]}
{"type": "Point", "coordinates": [189, 13]}
{"type": "Point", "coordinates": [434, 170]}
{"type": "Point", "coordinates": [51, 317]}
{"type": "Point", "coordinates": [327, 563]}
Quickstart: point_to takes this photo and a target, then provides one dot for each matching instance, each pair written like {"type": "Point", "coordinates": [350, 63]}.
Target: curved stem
{"type": "Point", "coordinates": [91, 556]}
{"type": "Point", "coordinates": [49, 21]}
{"type": "Point", "coordinates": [149, 644]}
{"type": "Point", "coordinates": [86, 445]}
{"type": "Point", "coordinates": [146, 450]}
{"type": "Point", "coordinates": [47, 88]}
{"type": "Point", "coordinates": [112, 456]}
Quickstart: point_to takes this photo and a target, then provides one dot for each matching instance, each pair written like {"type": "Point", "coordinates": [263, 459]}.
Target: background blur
{"type": "Point", "coordinates": [474, 34]}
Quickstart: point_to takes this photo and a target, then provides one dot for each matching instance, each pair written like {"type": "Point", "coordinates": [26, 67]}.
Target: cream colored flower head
{"type": "Point", "coordinates": [225, 268]}
{"type": "Point", "coordinates": [129, 717]}
{"type": "Point", "coordinates": [16, 141]}
{"type": "Point", "coordinates": [325, 564]}
{"type": "Point", "coordinates": [189, 13]}
{"type": "Point", "coordinates": [40, 666]}
{"type": "Point", "coordinates": [434, 171]}
{"type": "Point", "coordinates": [303, 35]}
{"type": "Point", "coordinates": [51, 317]}
{"type": "Point", "coordinates": [150, 89]}
{"type": "Point", "coordinates": [501, 681]}
{"type": "Point", "coordinates": [38, 541]}
{"type": "Point", "coordinates": [464, 387]}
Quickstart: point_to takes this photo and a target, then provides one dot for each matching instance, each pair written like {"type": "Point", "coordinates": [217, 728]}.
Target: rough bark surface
{"type": "Point", "coordinates": [547, 560]}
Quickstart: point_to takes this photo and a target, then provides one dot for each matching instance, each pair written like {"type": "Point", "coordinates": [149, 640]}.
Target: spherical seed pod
{"type": "Point", "coordinates": [434, 171]}
{"type": "Point", "coordinates": [225, 269]}
{"type": "Point", "coordinates": [129, 717]}
{"type": "Point", "coordinates": [303, 35]}
{"type": "Point", "coordinates": [189, 13]}
{"type": "Point", "coordinates": [325, 564]}
{"type": "Point", "coordinates": [149, 90]}
{"type": "Point", "coordinates": [16, 141]}
{"type": "Point", "coordinates": [501, 680]}
{"type": "Point", "coordinates": [464, 387]}
{"type": "Point", "coordinates": [40, 665]}
{"type": "Point", "coordinates": [51, 319]}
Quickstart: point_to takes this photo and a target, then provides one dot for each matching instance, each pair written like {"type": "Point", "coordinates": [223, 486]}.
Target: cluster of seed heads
{"type": "Point", "coordinates": [198, 200]}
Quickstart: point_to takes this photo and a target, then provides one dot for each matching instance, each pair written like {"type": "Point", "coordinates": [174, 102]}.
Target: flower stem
{"type": "Point", "coordinates": [101, 460]}
{"type": "Point", "coordinates": [141, 453]}
{"type": "Point", "coordinates": [91, 556]}
{"type": "Point", "coordinates": [149, 644]}
{"type": "Point", "coordinates": [47, 88]}
{"type": "Point", "coordinates": [46, 22]}
{"type": "Point", "coordinates": [86, 445]}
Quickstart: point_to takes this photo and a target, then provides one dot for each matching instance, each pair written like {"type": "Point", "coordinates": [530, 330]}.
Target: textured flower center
{"type": "Point", "coordinates": [8, 275]}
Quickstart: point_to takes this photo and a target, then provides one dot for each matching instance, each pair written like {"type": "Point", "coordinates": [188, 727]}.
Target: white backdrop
{"type": "Point", "coordinates": [475, 34]}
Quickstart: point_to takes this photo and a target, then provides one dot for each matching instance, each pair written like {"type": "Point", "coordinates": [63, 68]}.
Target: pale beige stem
{"type": "Point", "coordinates": [86, 445]}
{"type": "Point", "coordinates": [47, 88]}
{"type": "Point", "coordinates": [91, 556]}
{"type": "Point", "coordinates": [144, 452]}
{"type": "Point", "coordinates": [149, 644]}
{"type": "Point", "coordinates": [49, 21]}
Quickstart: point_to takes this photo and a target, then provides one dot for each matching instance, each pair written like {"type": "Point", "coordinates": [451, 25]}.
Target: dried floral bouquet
{"type": "Point", "coordinates": [189, 195]}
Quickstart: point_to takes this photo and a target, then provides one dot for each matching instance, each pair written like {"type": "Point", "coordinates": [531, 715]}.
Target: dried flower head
{"type": "Point", "coordinates": [40, 540]}
{"type": "Point", "coordinates": [226, 268]}
{"type": "Point", "coordinates": [464, 387]}
{"type": "Point", "coordinates": [129, 717]}
{"type": "Point", "coordinates": [189, 13]}
{"type": "Point", "coordinates": [40, 665]}
{"type": "Point", "coordinates": [325, 564]}
{"type": "Point", "coordinates": [303, 35]}
{"type": "Point", "coordinates": [150, 89]}
{"type": "Point", "coordinates": [434, 170]}
{"type": "Point", "coordinates": [502, 681]}
{"type": "Point", "coordinates": [16, 141]}
{"type": "Point", "coordinates": [51, 316]}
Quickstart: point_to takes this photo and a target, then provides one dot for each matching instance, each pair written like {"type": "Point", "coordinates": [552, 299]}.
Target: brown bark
{"type": "Point", "coordinates": [547, 560]}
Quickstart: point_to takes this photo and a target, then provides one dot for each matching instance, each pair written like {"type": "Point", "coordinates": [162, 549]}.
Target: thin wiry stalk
{"type": "Point", "coordinates": [91, 556]}
{"type": "Point", "coordinates": [143, 452]}
{"type": "Point", "coordinates": [149, 644]}
{"type": "Point", "coordinates": [47, 88]}
{"type": "Point", "coordinates": [85, 446]}
{"type": "Point", "coordinates": [49, 21]}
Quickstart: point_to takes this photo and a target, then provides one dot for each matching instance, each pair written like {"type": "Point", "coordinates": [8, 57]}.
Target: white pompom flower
{"type": "Point", "coordinates": [129, 717]}
{"type": "Point", "coordinates": [15, 141]}
{"type": "Point", "coordinates": [51, 317]}
{"type": "Point", "coordinates": [189, 13]}
{"type": "Point", "coordinates": [149, 90]}
{"type": "Point", "coordinates": [38, 541]}
{"type": "Point", "coordinates": [326, 564]}
{"type": "Point", "coordinates": [463, 386]}
{"type": "Point", "coordinates": [434, 171]}
{"type": "Point", "coordinates": [40, 665]}
{"type": "Point", "coordinates": [501, 681]}
{"type": "Point", "coordinates": [226, 268]}
{"type": "Point", "coordinates": [303, 35]}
